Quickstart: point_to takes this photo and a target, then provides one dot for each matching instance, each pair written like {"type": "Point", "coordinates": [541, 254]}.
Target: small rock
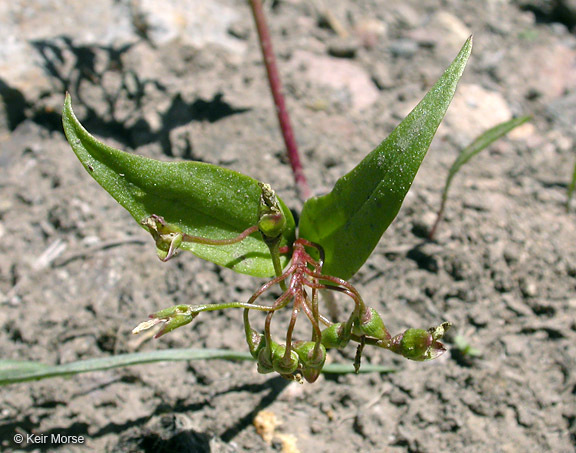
{"type": "Point", "coordinates": [406, 15]}
{"type": "Point", "coordinates": [339, 75]}
{"type": "Point", "coordinates": [397, 397]}
{"type": "Point", "coordinates": [514, 344]}
{"type": "Point", "coordinates": [370, 31]}
{"type": "Point", "coordinates": [515, 305]}
{"type": "Point", "coordinates": [571, 268]}
{"type": "Point", "coordinates": [343, 47]}
{"type": "Point", "coordinates": [563, 110]}
{"type": "Point", "coordinates": [239, 30]}
{"type": "Point", "coordinates": [473, 110]}
{"type": "Point", "coordinates": [528, 288]}
{"type": "Point", "coordinates": [381, 76]}
{"type": "Point", "coordinates": [193, 22]}
{"type": "Point", "coordinates": [422, 225]}
{"type": "Point", "coordinates": [525, 416]}
{"type": "Point", "coordinates": [404, 48]}
{"type": "Point", "coordinates": [546, 69]}
{"type": "Point", "coordinates": [524, 132]}
{"type": "Point", "coordinates": [444, 31]}
{"type": "Point", "coordinates": [480, 316]}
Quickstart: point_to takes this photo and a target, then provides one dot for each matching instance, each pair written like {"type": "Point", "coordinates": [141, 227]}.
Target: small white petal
{"type": "Point", "coordinates": [145, 325]}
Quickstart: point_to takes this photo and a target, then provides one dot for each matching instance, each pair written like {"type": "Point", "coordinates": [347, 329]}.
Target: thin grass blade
{"type": "Point", "coordinates": [14, 371]}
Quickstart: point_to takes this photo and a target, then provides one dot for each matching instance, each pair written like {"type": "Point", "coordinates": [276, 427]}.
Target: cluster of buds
{"type": "Point", "coordinates": [300, 282]}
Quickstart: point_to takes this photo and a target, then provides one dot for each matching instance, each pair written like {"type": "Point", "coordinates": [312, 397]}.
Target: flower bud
{"type": "Point", "coordinates": [336, 336]}
{"type": "Point", "coordinates": [370, 324]}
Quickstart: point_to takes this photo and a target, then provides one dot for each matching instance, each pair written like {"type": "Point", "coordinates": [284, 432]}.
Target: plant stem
{"type": "Point", "coordinates": [207, 241]}
{"type": "Point", "coordinates": [438, 216]}
{"type": "Point", "coordinates": [276, 89]}
{"type": "Point", "coordinates": [275, 254]}
{"type": "Point", "coordinates": [224, 306]}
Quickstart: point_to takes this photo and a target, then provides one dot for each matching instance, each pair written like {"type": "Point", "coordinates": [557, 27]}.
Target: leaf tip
{"type": "Point", "coordinates": [467, 47]}
{"type": "Point", "coordinates": [67, 102]}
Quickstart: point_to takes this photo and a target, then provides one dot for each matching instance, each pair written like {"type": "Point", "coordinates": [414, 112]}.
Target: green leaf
{"type": "Point", "coordinates": [196, 198]}
{"type": "Point", "coordinates": [349, 221]}
{"type": "Point", "coordinates": [482, 142]}
{"type": "Point", "coordinates": [14, 371]}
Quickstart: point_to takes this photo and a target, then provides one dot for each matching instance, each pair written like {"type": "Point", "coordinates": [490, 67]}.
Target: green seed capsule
{"type": "Point", "coordinates": [337, 336]}
{"type": "Point", "coordinates": [370, 324]}
{"type": "Point", "coordinates": [176, 321]}
{"type": "Point", "coordinates": [415, 344]}
{"type": "Point", "coordinates": [265, 362]}
{"type": "Point", "coordinates": [272, 225]}
{"type": "Point", "coordinates": [311, 364]}
{"type": "Point", "coordinates": [256, 343]}
{"type": "Point", "coordinates": [281, 365]}
{"type": "Point", "coordinates": [305, 351]}
{"type": "Point", "coordinates": [171, 318]}
{"type": "Point", "coordinates": [272, 221]}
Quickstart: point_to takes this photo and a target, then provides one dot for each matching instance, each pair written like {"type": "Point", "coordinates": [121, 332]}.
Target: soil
{"type": "Point", "coordinates": [182, 80]}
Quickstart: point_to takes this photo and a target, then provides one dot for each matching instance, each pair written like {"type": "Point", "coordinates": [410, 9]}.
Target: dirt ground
{"type": "Point", "coordinates": [183, 79]}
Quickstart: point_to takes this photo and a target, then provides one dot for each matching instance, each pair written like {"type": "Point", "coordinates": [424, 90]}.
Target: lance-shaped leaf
{"type": "Point", "coordinates": [481, 142]}
{"type": "Point", "coordinates": [349, 221]}
{"type": "Point", "coordinates": [193, 198]}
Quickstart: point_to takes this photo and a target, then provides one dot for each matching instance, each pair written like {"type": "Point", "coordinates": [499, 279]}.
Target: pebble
{"type": "Point", "coordinates": [563, 110]}
{"type": "Point", "coordinates": [528, 288]}
{"type": "Point", "coordinates": [515, 305]}
{"type": "Point", "coordinates": [343, 76]}
{"type": "Point", "coordinates": [369, 31]}
{"type": "Point", "coordinates": [547, 70]}
{"type": "Point", "coordinates": [343, 47]}
{"type": "Point", "coordinates": [474, 110]}
{"type": "Point", "coordinates": [193, 22]}
{"type": "Point", "coordinates": [404, 48]}
{"type": "Point", "coordinates": [406, 15]}
{"type": "Point", "coordinates": [422, 225]}
{"type": "Point", "coordinates": [444, 31]}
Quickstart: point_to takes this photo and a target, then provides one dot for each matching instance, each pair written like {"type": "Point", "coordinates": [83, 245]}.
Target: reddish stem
{"type": "Point", "coordinates": [206, 241]}
{"type": "Point", "coordinates": [310, 314]}
{"type": "Point", "coordinates": [439, 216]}
{"type": "Point", "coordinates": [267, 285]}
{"type": "Point", "coordinates": [276, 89]}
